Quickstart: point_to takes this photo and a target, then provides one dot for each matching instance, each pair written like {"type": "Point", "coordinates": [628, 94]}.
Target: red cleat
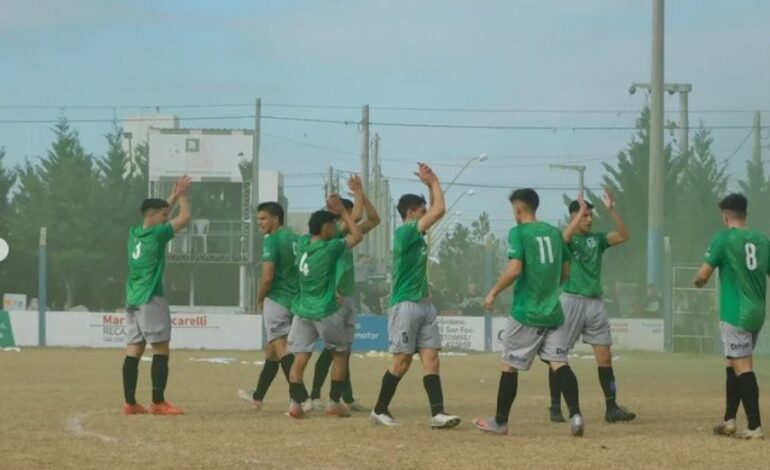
{"type": "Point", "coordinates": [165, 408]}
{"type": "Point", "coordinates": [135, 409]}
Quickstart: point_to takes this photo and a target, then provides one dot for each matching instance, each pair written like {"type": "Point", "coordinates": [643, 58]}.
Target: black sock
{"type": "Point", "coordinates": [388, 389]}
{"type": "Point", "coordinates": [569, 387]}
{"type": "Point", "coordinates": [297, 392]}
{"type": "Point", "coordinates": [432, 385]}
{"type": "Point", "coordinates": [159, 373]}
{"type": "Point", "coordinates": [607, 381]}
{"type": "Point", "coordinates": [286, 362]}
{"type": "Point", "coordinates": [732, 394]}
{"type": "Point", "coordinates": [269, 371]}
{"type": "Point", "coordinates": [506, 393]}
{"type": "Point", "coordinates": [322, 365]}
{"type": "Point", "coordinates": [555, 392]}
{"type": "Point", "coordinates": [750, 397]}
{"type": "Point", "coordinates": [336, 390]}
{"type": "Point", "coordinates": [130, 378]}
{"type": "Point", "coordinates": [347, 392]}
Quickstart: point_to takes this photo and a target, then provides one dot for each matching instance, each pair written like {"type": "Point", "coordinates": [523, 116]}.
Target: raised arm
{"type": "Point", "coordinates": [511, 273]}
{"type": "Point", "coordinates": [437, 207]}
{"type": "Point", "coordinates": [621, 233]}
{"type": "Point", "coordinates": [573, 225]}
{"type": "Point", "coordinates": [180, 192]}
{"type": "Point", "coordinates": [357, 188]}
{"type": "Point", "coordinates": [372, 217]}
{"type": "Point", "coordinates": [354, 237]}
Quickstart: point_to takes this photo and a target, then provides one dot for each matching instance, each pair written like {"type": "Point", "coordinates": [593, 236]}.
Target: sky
{"type": "Point", "coordinates": [551, 63]}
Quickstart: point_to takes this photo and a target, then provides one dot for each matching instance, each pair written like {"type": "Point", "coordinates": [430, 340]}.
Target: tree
{"type": "Point", "coordinates": [756, 187]}
{"type": "Point", "coordinates": [7, 180]}
{"type": "Point", "coordinates": [703, 183]}
{"type": "Point", "coordinates": [62, 193]}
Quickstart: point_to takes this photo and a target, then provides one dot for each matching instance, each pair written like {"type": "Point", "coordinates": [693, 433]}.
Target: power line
{"type": "Point", "coordinates": [746, 139]}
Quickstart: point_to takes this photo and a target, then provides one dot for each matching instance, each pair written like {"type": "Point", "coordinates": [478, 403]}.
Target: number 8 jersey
{"type": "Point", "coordinates": [743, 259]}
{"type": "Point", "coordinates": [541, 249]}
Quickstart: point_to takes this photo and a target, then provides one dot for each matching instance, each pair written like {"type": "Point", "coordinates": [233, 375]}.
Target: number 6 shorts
{"type": "Point", "coordinates": [413, 326]}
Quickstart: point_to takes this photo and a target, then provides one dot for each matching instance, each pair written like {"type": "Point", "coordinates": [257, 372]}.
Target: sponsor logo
{"type": "Point", "coordinates": [591, 242]}
{"type": "Point", "coordinates": [518, 359]}
{"type": "Point", "coordinates": [736, 346]}
{"type": "Point", "coordinates": [562, 352]}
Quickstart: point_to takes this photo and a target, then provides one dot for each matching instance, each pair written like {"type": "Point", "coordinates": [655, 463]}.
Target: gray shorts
{"type": "Point", "coordinates": [304, 333]}
{"type": "Point", "coordinates": [277, 320]}
{"type": "Point", "coordinates": [149, 323]}
{"type": "Point", "coordinates": [413, 326]}
{"type": "Point", "coordinates": [349, 318]}
{"type": "Point", "coordinates": [736, 342]}
{"type": "Point", "coordinates": [588, 317]}
{"type": "Point", "coordinates": [522, 343]}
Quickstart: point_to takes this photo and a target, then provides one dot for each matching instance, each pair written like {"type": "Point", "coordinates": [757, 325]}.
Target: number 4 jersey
{"type": "Point", "coordinates": [317, 263]}
{"type": "Point", "coordinates": [541, 249]}
{"type": "Point", "coordinates": [146, 262]}
{"type": "Point", "coordinates": [743, 259]}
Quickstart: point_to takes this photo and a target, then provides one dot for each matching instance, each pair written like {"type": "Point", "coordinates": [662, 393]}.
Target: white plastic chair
{"type": "Point", "coordinates": [200, 228]}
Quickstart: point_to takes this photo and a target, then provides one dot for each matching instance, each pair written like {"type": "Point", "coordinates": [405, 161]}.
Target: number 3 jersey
{"type": "Point", "coordinates": [743, 259]}
{"type": "Point", "coordinates": [146, 262]}
{"type": "Point", "coordinates": [541, 249]}
{"type": "Point", "coordinates": [317, 266]}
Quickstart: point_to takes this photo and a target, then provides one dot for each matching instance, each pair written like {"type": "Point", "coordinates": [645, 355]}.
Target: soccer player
{"type": "Point", "coordinates": [742, 256]}
{"type": "Point", "coordinates": [581, 300]}
{"type": "Point", "coordinates": [412, 322]}
{"type": "Point", "coordinates": [317, 313]}
{"type": "Point", "coordinates": [539, 264]}
{"type": "Point", "coordinates": [277, 290]}
{"type": "Point", "coordinates": [346, 285]}
{"type": "Point", "coordinates": [148, 318]}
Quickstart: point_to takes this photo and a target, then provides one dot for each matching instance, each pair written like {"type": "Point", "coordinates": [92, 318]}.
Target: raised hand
{"type": "Point", "coordinates": [426, 174]}
{"type": "Point", "coordinates": [608, 200]}
{"type": "Point", "coordinates": [355, 184]}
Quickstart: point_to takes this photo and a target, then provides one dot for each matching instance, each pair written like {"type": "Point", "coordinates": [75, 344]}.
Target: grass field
{"type": "Point", "coordinates": [60, 408]}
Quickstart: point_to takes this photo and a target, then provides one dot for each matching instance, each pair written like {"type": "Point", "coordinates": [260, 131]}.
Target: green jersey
{"type": "Point", "coordinates": [317, 277]}
{"type": "Point", "coordinates": [743, 259]}
{"type": "Point", "coordinates": [146, 262]}
{"type": "Point", "coordinates": [346, 276]}
{"type": "Point", "coordinates": [585, 271]}
{"type": "Point", "coordinates": [280, 249]}
{"type": "Point", "coordinates": [410, 262]}
{"type": "Point", "coordinates": [540, 248]}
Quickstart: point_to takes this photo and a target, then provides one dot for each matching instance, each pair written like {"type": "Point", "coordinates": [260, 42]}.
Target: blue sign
{"type": "Point", "coordinates": [371, 333]}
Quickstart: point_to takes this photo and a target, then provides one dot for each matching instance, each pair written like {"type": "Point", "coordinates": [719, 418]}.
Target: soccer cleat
{"type": "Point", "coordinates": [618, 414]}
{"type": "Point", "coordinates": [166, 409]}
{"type": "Point", "coordinates": [444, 421]}
{"type": "Point", "coordinates": [339, 410]}
{"type": "Point", "coordinates": [577, 426]}
{"type": "Point", "coordinates": [296, 410]}
{"type": "Point", "coordinates": [245, 396]}
{"type": "Point", "coordinates": [384, 419]}
{"type": "Point", "coordinates": [135, 409]}
{"type": "Point", "coordinates": [748, 434]}
{"type": "Point", "coordinates": [316, 404]}
{"type": "Point", "coordinates": [555, 415]}
{"type": "Point", "coordinates": [490, 426]}
{"type": "Point", "coordinates": [356, 406]}
{"type": "Point", "coordinates": [725, 428]}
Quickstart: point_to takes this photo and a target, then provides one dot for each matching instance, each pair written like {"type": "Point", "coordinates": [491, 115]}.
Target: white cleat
{"type": "Point", "coordinates": [748, 434]}
{"type": "Point", "coordinates": [383, 419]}
{"type": "Point", "coordinates": [247, 397]}
{"type": "Point", "coordinates": [444, 421]}
{"type": "Point", "coordinates": [725, 428]}
{"type": "Point", "coordinates": [313, 405]}
{"type": "Point", "coordinates": [577, 426]}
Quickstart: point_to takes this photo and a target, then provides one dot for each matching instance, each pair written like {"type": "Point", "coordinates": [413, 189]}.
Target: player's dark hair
{"type": "Point", "coordinates": [735, 203]}
{"type": "Point", "coordinates": [528, 196]}
{"type": "Point", "coordinates": [574, 206]}
{"type": "Point", "coordinates": [153, 203]}
{"type": "Point", "coordinates": [318, 219]}
{"type": "Point", "coordinates": [272, 208]}
{"type": "Point", "coordinates": [409, 202]}
{"type": "Point", "coordinates": [347, 203]}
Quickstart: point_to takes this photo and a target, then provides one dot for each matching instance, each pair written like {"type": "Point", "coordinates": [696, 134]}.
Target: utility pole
{"type": "Point", "coordinates": [684, 120]}
{"type": "Point", "coordinates": [756, 154]}
{"type": "Point", "coordinates": [376, 188]}
{"type": "Point", "coordinates": [254, 240]}
{"type": "Point", "coordinates": [330, 182]}
{"type": "Point", "coordinates": [581, 175]}
{"type": "Point", "coordinates": [656, 187]}
{"type": "Point", "coordinates": [365, 161]}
